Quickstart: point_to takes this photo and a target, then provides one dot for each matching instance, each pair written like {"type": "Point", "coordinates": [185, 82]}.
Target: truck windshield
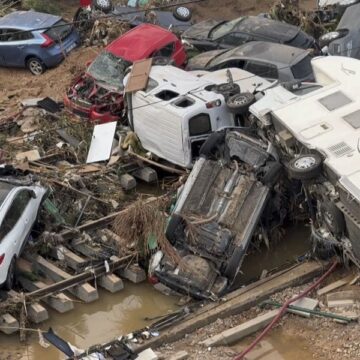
{"type": "Point", "coordinates": [109, 69]}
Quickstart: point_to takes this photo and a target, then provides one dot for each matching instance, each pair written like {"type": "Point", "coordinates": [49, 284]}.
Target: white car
{"type": "Point", "coordinates": [19, 206]}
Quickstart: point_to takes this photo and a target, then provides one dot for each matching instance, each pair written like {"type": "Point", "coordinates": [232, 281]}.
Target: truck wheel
{"type": "Point", "coordinates": [10, 278]}
{"type": "Point", "coordinates": [332, 217]}
{"type": "Point", "coordinates": [212, 143]}
{"type": "Point", "coordinates": [240, 103]}
{"type": "Point", "coordinates": [305, 167]}
{"type": "Point", "coordinates": [182, 13]}
{"type": "Point", "coordinates": [35, 66]}
{"type": "Point", "coordinates": [227, 89]}
{"type": "Point", "coordinates": [103, 5]}
{"type": "Point", "coordinates": [271, 173]}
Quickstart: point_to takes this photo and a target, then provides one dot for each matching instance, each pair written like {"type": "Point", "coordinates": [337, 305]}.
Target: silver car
{"type": "Point", "coordinates": [268, 60]}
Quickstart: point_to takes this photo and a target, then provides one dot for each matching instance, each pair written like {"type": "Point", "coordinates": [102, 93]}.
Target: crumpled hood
{"type": "Point", "coordinates": [201, 30]}
{"type": "Point", "coordinates": [199, 62]}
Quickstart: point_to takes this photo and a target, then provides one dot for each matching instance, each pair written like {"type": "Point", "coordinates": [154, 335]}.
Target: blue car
{"type": "Point", "coordinates": [35, 40]}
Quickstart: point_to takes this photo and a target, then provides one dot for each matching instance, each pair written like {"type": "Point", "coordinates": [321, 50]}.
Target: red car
{"type": "Point", "coordinates": [98, 93]}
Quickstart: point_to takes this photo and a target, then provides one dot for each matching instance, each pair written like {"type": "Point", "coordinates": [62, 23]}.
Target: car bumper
{"type": "Point", "coordinates": [89, 112]}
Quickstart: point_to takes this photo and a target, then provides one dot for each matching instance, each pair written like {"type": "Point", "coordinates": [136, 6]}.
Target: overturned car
{"type": "Point", "coordinates": [233, 196]}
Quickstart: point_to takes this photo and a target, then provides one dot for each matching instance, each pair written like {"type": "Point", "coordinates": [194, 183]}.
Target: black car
{"type": "Point", "coordinates": [226, 203]}
{"type": "Point", "coordinates": [212, 34]}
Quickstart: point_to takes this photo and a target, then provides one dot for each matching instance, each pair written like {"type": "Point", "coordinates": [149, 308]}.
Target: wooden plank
{"type": "Point", "coordinates": [139, 75]}
{"type": "Point", "coordinates": [332, 286]}
{"type": "Point", "coordinates": [244, 299]}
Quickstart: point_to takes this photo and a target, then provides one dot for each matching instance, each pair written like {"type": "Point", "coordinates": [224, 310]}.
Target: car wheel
{"type": "Point", "coordinates": [305, 167]}
{"type": "Point", "coordinates": [227, 89]}
{"type": "Point", "coordinates": [182, 13]}
{"type": "Point", "coordinates": [103, 5]}
{"type": "Point", "coordinates": [36, 66]}
{"type": "Point", "coordinates": [240, 103]}
{"type": "Point", "coordinates": [175, 225]}
{"type": "Point", "coordinates": [332, 217]}
{"type": "Point", "coordinates": [10, 278]}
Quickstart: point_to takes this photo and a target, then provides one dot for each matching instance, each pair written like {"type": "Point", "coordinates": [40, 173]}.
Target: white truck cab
{"type": "Point", "coordinates": [178, 110]}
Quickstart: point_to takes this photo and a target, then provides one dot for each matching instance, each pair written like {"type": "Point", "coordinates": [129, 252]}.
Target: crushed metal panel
{"type": "Point", "coordinates": [139, 76]}
{"type": "Point", "coordinates": [101, 142]}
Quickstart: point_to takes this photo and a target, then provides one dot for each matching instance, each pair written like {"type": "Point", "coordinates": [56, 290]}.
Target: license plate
{"type": "Point", "coordinates": [71, 47]}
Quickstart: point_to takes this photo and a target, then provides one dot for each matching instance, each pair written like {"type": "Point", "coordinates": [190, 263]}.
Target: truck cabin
{"type": "Point", "coordinates": [178, 111]}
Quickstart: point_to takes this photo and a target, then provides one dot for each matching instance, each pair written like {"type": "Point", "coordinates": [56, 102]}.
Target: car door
{"type": "Point", "coordinates": [18, 220]}
{"type": "Point", "coordinates": [14, 46]}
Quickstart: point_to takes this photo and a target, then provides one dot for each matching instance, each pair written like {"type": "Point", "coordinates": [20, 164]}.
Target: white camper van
{"type": "Point", "coordinates": [317, 127]}
{"type": "Point", "coordinates": [178, 110]}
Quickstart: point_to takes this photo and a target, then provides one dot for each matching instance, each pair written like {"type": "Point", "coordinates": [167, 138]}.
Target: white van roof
{"type": "Point", "coordinates": [327, 119]}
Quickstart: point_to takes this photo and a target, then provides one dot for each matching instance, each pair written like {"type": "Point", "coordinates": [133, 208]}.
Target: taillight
{"type": "Point", "coordinates": [2, 257]}
{"type": "Point", "coordinates": [48, 41]}
{"type": "Point", "coordinates": [212, 104]}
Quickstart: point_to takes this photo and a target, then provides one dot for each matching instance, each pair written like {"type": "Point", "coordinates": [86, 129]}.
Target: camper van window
{"type": "Point", "coordinates": [199, 125]}
{"type": "Point", "coordinates": [167, 95]}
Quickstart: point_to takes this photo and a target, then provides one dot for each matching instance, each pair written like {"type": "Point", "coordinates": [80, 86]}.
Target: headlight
{"type": "Point", "coordinates": [347, 2]}
{"type": "Point", "coordinates": [330, 36]}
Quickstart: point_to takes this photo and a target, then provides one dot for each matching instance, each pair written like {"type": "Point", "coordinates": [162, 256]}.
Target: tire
{"type": "Point", "coordinates": [240, 103]}
{"type": "Point", "coordinates": [182, 13]}
{"type": "Point", "coordinates": [271, 173]}
{"type": "Point", "coordinates": [227, 89]}
{"type": "Point", "coordinates": [36, 66]}
{"type": "Point", "coordinates": [211, 144]}
{"type": "Point", "coordinates": [332, 217]}
{"type": "Point", "coordinates": [103, 5]}
{"type": "Point", "coordinates": [175, 225]}
{"type": "Point", "coordinates": [305, 167]}
{"type": "Point", "coordinates": [10, 278]}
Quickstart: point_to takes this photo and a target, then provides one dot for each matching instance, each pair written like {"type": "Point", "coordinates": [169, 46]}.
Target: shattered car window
{"type": "Point", "coordinates": [109, 69]}
{"type": "Point", "coordinates": [224, 29]}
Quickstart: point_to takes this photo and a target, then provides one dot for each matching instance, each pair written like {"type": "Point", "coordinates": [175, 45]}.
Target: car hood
{"type": "Point", "coordinates": [199, 62]}
{"type": "Point", "coordinates": [201, 30]}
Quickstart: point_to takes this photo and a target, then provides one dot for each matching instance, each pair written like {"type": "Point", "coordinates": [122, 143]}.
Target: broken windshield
{"type": "Point", "coordinates": [109, 69]}
{"type": "Point", "coordinates": [224, 28]}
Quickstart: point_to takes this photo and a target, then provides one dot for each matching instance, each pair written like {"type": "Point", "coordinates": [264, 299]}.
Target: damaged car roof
{"type": "Point", "coordinates": [142, 36]}
{"type": "Point", "coordinates": [26, 20]}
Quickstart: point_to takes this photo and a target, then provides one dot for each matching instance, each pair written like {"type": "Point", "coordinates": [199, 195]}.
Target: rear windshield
{"type": "Point", "coordinates": [109, 69]}
{"type": "Point", "coordinates": [301, 40]}
{"type": "Point", "coordinates": [59, 31]}
{"type": "Point", "coordinates": [302, 69]}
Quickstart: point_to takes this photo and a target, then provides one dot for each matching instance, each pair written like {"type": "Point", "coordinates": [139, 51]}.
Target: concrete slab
{"type": "Point", "coordinates": [84, 292]}
{"type": "Point", "coordinates": [111, 283]}
{"type": "Point", "coordinates": [237, 333]}
{"type": "Point", "coordinates": [146, 174]}
{"type": "Point", "coordinates": [59, 302]}
{"type": "Point", "coordinates": [147, 354]}
{"type": "Point", "coordinates": [127, 182]}
{"type": "Point", "coordinates": [340, 303]}
{"type": "Point", "coordinates": [72, 260]}
{"type": "Point", "coordinates": [332, 286]}
{"type": "Point", "coordinates": [36, 312]}
{"type": "Point", "coordinates": [133, 273]}
{"type": "Point", "coordinates": [8, 324]}
{"type": "Point", "coordinates": [305, 303]}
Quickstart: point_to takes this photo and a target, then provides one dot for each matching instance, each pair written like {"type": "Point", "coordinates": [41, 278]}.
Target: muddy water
{"type": "Point", "coordinates": [117, 314]}
{"type": "Point", "coordinates": [88, 324]}
{"type": "Point", "coordinates": [295, 243]}
{"type": "Point", "coordinates": [277, 346]}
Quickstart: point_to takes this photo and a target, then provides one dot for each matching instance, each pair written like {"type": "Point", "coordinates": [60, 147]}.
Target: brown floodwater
{"type": "Point", "coordinates": [118, 314]}
{"type": "Point", "coordinates": [88, 324]}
